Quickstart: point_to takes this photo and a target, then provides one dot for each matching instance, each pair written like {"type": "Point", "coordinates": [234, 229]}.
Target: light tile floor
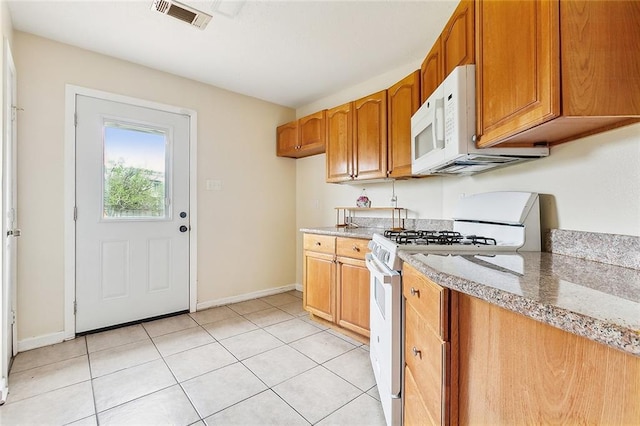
{"type": "Point", "coordinates": [259, 362]}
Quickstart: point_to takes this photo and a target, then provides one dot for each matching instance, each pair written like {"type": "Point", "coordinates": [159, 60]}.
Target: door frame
{"type": "Point", "coordinates": [71, 91]}
{"type": "Point", "coordinates": [8, 288]}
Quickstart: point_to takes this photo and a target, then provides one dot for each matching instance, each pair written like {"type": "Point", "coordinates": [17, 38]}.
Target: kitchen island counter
{"type": "Point", "coordinates": [595, 300]}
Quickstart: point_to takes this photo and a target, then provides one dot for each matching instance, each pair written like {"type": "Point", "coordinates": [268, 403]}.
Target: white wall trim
{"type": "Point", "coordinates": [70, 189]}
{"type": "Point", "coordinates": [246, 296]}
{"type": "Point", "coordinates": [40, 341]}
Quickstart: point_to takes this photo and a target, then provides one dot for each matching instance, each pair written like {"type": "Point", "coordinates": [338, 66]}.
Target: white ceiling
{"type": "Point", "coordinates": [287, 52]}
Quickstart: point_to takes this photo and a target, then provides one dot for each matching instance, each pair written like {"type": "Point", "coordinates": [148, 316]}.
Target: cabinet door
{"type": "Point", "coordinates": [458, 38]}
{"type": "Point", "coordinates": [339, 143]}
{"type": "Point", "coordinates": [319, 285]}
{"type": "Point", "coordinates": [518, 67]}
{"type": "Point", "coordinates": [403, 101]}
{"type": "Point", "coordinates": [425, 356]}
{"type": "Point", "coordinates": [370, 136]}
{"type": "Point", "coordinates": [600, 75]}
{"type": "Point", "coordinates": [287, 139]}
{"type": "Point", "coordinates": [312, 133]}
{"type": "Point", "coordinates": [431, 72]}
{"type": "Point", "coordinates": [353, 295]}
{"type": "Point", "coordinates": [415, 413]}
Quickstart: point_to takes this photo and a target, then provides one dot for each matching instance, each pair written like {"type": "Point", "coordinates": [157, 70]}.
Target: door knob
{"type": "Point", "coordinates": [183, 228]}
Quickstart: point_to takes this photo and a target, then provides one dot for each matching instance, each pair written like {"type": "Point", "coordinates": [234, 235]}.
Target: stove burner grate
{"type": "Point", "coordinates": [420, 237]}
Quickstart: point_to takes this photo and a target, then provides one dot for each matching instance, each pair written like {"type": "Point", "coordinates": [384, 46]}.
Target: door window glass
{"type": "Point", "coordinates": [135, 172]}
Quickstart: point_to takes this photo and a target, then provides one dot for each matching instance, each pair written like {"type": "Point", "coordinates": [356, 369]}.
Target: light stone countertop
{"type": "Point", "coordinates": [599, 301]}
{"type": "Point", "coordinates": [366, 233]}
{"type": "Point", "coordinates": [595, 300]}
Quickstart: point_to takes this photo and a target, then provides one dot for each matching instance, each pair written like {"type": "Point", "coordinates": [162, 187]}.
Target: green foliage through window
{"type": "Point", "coordinates": [131, 191]}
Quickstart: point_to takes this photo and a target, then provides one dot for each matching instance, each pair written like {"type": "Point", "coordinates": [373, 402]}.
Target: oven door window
{"type": "Point", "coordinates": [379, 295]}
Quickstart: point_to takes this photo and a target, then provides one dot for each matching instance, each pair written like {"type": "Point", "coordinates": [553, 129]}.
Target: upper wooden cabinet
{"type": "Point", "coordinates": [312, 133]}
{"type": "Point", "coordinates": [303, 137]}
{"type": "Point", "coordinates": [339, 143]}
{"type": "Point", "coordinates": [357, 139]}
{"type": "Point", "coordinates": [403, 100]}
{"type": "Point", "coordinates": [287, 139]}
{"type": "Point", "coordinates": [551, 71]}
{"type": "Point", "coordinates": [457, 39]}
{"type": "Point", "coordinates": [370, 136]}
{"type": "Point", "coordinates": [454, 47]}
{"type": "Point", "coordinates": [431, 72]}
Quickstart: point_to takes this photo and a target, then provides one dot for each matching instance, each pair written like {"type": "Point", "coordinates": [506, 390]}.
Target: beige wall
{"type": "Point", "coordinates": [246, 231]}
{"type": "Point", "coordinates": [591, 184]}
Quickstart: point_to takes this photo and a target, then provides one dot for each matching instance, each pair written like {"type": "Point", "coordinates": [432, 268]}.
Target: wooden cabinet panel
{"type": "Point", "coordinates": [353, 295]}
{"type": "Point", "coordinates": [319, 285]}
{"type": "Point", "coordinates": [597, 41]}
{"type": "Point", "coordinates": [430, 353]}
{"type": "Point", "coordinates": [319, 243]}
{"type": "Point", "coordinates": [403, 100]}
{"type": "Point", "coordinates": [287, 139]}
{"type": "Point", "coordinates": [336, 281]}
{"type": "Point", "coordinates": [370, 136]}
{"type": "Point", "coordinates": [312, 133]}
{"type": "Point", "coordinates": [518, 72]}
{"type": "Point", "coordinates": [415, 413]}
{"type": "Point", "coordinates": [352, 247]}
{"type": "Point", "coordinates": [554, 71]}
{"type": "Point", "coordinates": [431, 72]}
{"type": "Point", "coordinates": [514, 370]}
{"type": "Point", "coordinates": [339, 143]}
{"type": "Point", "coordinates": [424, 355]}
{"type": "Point", "coordinates": [429, 299]}
{"type": "Point", "coordinates": [458, 37]}
{"type": "Point", "coordinates": [303, 137]}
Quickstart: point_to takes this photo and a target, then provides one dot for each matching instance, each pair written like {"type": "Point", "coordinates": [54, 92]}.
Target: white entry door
{"type": "Point", "coordinates": [132, 213]}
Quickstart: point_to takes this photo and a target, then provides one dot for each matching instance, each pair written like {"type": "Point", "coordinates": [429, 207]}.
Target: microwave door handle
{"type": "Point", "coordinates": [438, 124]}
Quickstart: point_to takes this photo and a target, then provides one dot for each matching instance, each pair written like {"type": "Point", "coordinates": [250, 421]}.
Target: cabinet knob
{"type": "Point", "coordinates": [356, 248]}
{"type": "Point", "coordinates": [416, 352]}
{"type": "Point", "coordinates": [415, 292]}
{"type": "Point", "coordinates": [318, 243]}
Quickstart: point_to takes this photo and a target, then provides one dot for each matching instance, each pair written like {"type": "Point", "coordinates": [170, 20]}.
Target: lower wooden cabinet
{"type": "Point", "coordinates": [428, 351]}
{"type": "Point", "coordinates": [336, 281]}
{"type": "Point", "coordinates": [468, 361]}
{"type": "Point", "coordinates": [353, 295]}
{"type": "Point", "coordinates": [514, 370]}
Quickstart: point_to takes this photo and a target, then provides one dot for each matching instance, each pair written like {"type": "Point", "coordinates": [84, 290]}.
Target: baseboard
{"type": "Point", "coordinates": [247, 296]}
{"type": "Point", "coordinates": [298, 286]}
{"type": "Point", "coordinates": [40, 341]}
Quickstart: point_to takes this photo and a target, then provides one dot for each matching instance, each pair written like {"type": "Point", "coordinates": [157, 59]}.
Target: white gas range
{"type": "Point", "coordinates": [483, 223]}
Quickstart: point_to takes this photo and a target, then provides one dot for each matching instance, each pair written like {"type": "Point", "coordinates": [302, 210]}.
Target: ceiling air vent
{"type": "Point", "coordinates": [182, 12]}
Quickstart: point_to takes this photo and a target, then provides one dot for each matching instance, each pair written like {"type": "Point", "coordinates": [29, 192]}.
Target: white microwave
{"type": "Point", "coordinates": [443, 129]}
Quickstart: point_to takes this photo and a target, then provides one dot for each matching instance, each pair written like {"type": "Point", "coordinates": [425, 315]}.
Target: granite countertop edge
{"type": "Point", "coordinates": [355, 232]}
{"type": "Point", "coordinates": [605, 332]}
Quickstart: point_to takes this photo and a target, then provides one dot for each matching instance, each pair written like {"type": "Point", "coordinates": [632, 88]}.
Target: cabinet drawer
{"type": "Point", "coordinates": [425, 356]}
{"type": "Point", "coordinates": [352, 247]}
{"type": "Point", "coordinates": [415, 413]}
{"type": "Point", "coordinates": [319, 243]}
{"type": "Point", "coordinates": [428, 299]}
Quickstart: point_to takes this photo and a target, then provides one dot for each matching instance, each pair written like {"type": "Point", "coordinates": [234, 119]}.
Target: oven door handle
{"type": "Point", "coordinates": [382, 276]}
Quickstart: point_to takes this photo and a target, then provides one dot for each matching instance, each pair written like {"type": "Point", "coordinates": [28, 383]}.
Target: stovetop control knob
{"type": "Point", "coordinates": [386, 256]}
{"type": "Point", "coordinates": [372, 245]}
